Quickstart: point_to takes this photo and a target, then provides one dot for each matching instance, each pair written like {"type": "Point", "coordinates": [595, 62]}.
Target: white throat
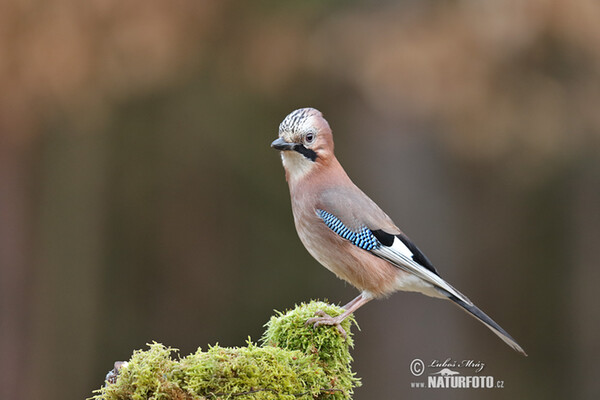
{"type": "Point", "coordinates": [296, 165]}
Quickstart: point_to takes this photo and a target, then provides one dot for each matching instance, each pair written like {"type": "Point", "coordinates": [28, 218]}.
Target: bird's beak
{"type": "Point", "coordinates": [280, 144]}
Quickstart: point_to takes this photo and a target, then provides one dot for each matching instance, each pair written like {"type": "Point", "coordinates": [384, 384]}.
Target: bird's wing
{"type": "Point", "coordinates": [396, 249]}
{"type": "Point", "coordinates": [353, 215]}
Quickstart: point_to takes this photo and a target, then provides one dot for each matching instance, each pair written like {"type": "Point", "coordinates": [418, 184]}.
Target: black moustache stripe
{"type": "Point", "coordinates": [308, 153]}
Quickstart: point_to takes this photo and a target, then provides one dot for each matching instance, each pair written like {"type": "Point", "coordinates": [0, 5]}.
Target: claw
{"type": "Point", "coordinates": [326, 319]}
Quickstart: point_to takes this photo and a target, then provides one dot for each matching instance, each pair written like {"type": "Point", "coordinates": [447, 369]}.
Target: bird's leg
{"type": "Point", "coordinates": [354, 300]}
{"type": "Point", "coordinates": [326, 319]}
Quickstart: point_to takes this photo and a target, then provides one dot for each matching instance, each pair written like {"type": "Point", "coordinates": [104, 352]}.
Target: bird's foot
{"type": "Point", "coordinates": [326, 319]}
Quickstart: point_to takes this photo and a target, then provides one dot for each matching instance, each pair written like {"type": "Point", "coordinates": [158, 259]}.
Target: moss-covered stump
{"type": "Point", "coordinates": [294, 361]}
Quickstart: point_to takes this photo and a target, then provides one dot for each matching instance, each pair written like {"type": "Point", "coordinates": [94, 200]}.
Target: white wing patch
{"type": "Point", "coordinates": [399, 255]}
{"type": "Point", "coordinates": [399, 246]}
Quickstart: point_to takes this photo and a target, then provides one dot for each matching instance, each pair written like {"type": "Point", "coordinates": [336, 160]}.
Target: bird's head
{"type": "Point", "coordinates": [305, 141]}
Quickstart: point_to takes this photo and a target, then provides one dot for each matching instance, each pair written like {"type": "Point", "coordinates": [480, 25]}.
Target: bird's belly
{"type": "Point", "coordinates": [356, 266]}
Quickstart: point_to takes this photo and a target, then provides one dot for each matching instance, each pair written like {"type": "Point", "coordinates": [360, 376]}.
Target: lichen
{"type": "Point", "coordinates": [294, 361]}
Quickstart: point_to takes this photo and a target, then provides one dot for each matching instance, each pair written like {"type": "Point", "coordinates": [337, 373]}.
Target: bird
{"type": "Point", "coordinates": [345, 231]}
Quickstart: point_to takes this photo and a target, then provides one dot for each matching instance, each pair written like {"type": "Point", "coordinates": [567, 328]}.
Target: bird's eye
{"type": "Point", "coordinates": [309, 138]}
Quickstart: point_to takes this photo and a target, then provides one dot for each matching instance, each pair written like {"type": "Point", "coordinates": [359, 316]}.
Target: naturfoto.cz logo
{"type": "Point", "coordinates": [452, 374]}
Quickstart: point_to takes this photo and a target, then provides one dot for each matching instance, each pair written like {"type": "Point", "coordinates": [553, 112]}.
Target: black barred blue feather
{"type": "Point", "coordinates": [362, 238]}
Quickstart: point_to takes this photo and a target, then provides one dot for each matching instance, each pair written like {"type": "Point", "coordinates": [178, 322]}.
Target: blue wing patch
{"type": "Point", "coordinates": [362, 238]}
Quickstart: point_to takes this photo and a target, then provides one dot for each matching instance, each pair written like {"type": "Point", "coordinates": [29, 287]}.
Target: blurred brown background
{"type": "Point", "coordinates": [140, 201]}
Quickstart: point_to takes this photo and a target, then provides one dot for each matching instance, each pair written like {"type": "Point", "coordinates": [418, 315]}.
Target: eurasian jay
{"type": "Point", "coordinates": [348, 233]}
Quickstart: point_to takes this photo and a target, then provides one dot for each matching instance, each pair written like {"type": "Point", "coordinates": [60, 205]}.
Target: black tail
{"type": "Point", "coordinates": [487, 321]}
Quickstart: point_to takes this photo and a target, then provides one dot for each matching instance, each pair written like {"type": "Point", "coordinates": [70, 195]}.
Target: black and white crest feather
{"type": "Point", "coordinates": [294, 122]}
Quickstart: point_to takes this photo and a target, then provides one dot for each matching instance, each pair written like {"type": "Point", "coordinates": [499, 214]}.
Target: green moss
{"type": "Point", "coordinates": [289, 331]}
{"type": "Point", "coordinates": [147, 375]}
{"type": "Point", "coordinates": [295, 361]}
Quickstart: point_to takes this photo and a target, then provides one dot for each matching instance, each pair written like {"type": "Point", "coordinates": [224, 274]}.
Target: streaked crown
{"type": "Point", "coordinates": [299, 122]}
